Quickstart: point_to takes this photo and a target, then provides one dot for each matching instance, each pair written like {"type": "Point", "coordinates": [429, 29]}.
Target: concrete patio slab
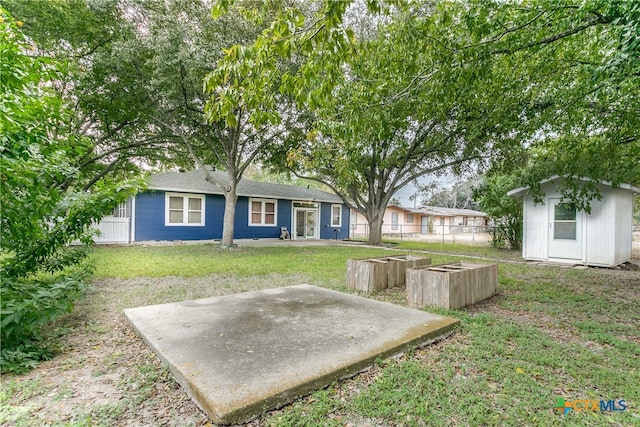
{"type": "Point", "coordinates": [241, 355]}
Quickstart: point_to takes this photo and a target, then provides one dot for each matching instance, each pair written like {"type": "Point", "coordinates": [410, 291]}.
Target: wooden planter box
{"type": "Point", "coordinates": [375, 274]}
{"type": "Point", "coordinates": [451, 286]}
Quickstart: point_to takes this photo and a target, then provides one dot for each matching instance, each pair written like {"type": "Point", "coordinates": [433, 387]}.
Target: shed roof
{"type": "Point", "coordinates": [522, 190]}
{"type": "Point", "coordinates": [195, 182]}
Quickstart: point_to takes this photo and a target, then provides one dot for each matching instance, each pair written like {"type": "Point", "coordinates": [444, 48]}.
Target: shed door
{"type": "Point", "coordinates": [565, 230]}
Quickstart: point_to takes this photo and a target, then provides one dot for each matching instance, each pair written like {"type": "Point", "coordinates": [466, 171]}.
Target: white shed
{"type": "Point", "coordinates": [557, 231]}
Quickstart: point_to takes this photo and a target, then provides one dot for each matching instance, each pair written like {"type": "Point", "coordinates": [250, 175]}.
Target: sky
{"type": "Point", "coordinates": [410, 189]}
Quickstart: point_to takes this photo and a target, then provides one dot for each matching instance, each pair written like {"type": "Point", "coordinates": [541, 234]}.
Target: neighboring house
{"type": "Point", "coordinates": [397, 220]}
{"type": "Point", "coordinates": [454, 221]}
{"type": "Point", "coordinates": [184, 206]}
{"type": "Point", "coordinates": [557, 231]}
{"type": "Point", "coordinates": [400, 220]}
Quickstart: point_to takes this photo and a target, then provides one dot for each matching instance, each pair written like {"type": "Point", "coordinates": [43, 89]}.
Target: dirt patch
{"type": "Point", "coordinates": [99, 375]}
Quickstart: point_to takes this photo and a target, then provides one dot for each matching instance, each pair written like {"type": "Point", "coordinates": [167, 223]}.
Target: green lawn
{"type": "Point", "coordinates": [459, 248]}
{"type": "Point", "coordinates": [550, 333]}
{"type": "Point", "coordinates": [203, 260]}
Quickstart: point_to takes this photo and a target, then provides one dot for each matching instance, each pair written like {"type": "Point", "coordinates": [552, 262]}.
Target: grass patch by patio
{"type": "Point", "coordinates": [319, 264]}
{"type": "Point", "coordinates": [458, 249]}
{"type": "Point", "coordinates": [203, 260]}
{"type": "Point", "coordinates": [549, 333]}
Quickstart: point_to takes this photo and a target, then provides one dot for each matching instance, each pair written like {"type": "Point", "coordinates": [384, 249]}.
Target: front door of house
{"type": "Point", "coordinates": [565, 230]}
{"type": "Point", "coordinates": [306, 223]}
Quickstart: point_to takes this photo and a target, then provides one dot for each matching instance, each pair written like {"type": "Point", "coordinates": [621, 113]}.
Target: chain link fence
{"type": "Point", "coordinates": [444, 233]}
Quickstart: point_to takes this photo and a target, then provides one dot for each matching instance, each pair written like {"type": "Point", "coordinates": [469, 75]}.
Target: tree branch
{"type": "Point", "coordinates": [100, 175]}
{"type": "Point", "coordinates": [599, 19]}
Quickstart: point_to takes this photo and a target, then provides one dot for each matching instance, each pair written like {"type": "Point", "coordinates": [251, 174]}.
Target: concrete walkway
{"type": "Point", "coordinates": [241, 355]}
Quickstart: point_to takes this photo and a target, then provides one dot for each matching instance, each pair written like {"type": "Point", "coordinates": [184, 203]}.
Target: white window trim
{"type": "Point", "coordinates": [339, 224]}
{"type": "Point", "coordinates": [263, 213]}
{"type": "Point", "coordinates": [185, 211]}
{"type": "Point", "coordinates": [395, 219]}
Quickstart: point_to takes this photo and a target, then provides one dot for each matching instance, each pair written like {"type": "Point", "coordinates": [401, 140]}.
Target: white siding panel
{"type": "Point", "coordinates": [623, 226]}
{"type": "Point", "coordinates": [599, 231]}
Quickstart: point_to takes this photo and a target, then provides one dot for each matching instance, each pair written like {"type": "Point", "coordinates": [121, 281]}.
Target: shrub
{"type": "Point", "coordinates": [507, 231]}
{"type": "Point", "coordinates": [27, 306]}
{"type": "Point", "coordinates": [46, 200]}
{"type": "Point", "coordinates": [505, 211]}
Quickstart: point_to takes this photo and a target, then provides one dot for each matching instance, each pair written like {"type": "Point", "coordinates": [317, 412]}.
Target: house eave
{"type": "Point", "coordinates": [183, 190]}
{"type": "Point", "coordinates": [241, 194]}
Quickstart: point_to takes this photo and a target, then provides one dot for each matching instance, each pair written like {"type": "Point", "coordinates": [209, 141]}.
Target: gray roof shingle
{"type": "Point", "coordinates": [194, 182]}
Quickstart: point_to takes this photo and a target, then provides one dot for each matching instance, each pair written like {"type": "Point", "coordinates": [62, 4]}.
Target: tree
{"type": "Point", "coordinates": [578, 64]}
{"type": "Point", "coordinates": [458, 195]}
{"type": "Point", "coordinates": [379, 131]}
{"type": "Point", "coordinates": [90, 39]}
{"type": "Point", "coordinates": [181, 45]}
{"type": "Point", "coordinates": [507, 77]}
{"type": "Point", "coordinates": [43, 205]}
{"type": "Point", "coordinates": [382, 111]}
{"type": "Point", "coordinates": [184, 45]}
{"type": "Point", "coordinates": [505, 211]}
{"type": "Point", "coordinates": [141, 92]}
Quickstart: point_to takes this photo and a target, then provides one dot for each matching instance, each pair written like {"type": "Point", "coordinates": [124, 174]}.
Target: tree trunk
{"type": "Point", "coordinates": [230, 198]}
{"type": "Point", "coordinates": [375, 228]}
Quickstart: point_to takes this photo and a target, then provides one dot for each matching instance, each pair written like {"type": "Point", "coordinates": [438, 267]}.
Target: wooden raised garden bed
{"type": "Point", "coordinates": [375, 274]}
{"type": "Point", "coordinates": [452, 285]}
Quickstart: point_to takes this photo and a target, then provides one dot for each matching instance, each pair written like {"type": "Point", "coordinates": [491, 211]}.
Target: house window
{"type": "Point", "coordinates": [262, 212]}
{"type": "Point", "coordinates": [184, 209]}
{"type": "Point", "coordinates": [409, 218]}
{"type": "Point", "coordinates": [394, 220]}
{"type": "Point", "coordinates": [336, 215]}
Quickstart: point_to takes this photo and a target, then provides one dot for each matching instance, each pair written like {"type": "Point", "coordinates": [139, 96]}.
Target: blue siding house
{"type": "Point", "coordinates": [184, 206]}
